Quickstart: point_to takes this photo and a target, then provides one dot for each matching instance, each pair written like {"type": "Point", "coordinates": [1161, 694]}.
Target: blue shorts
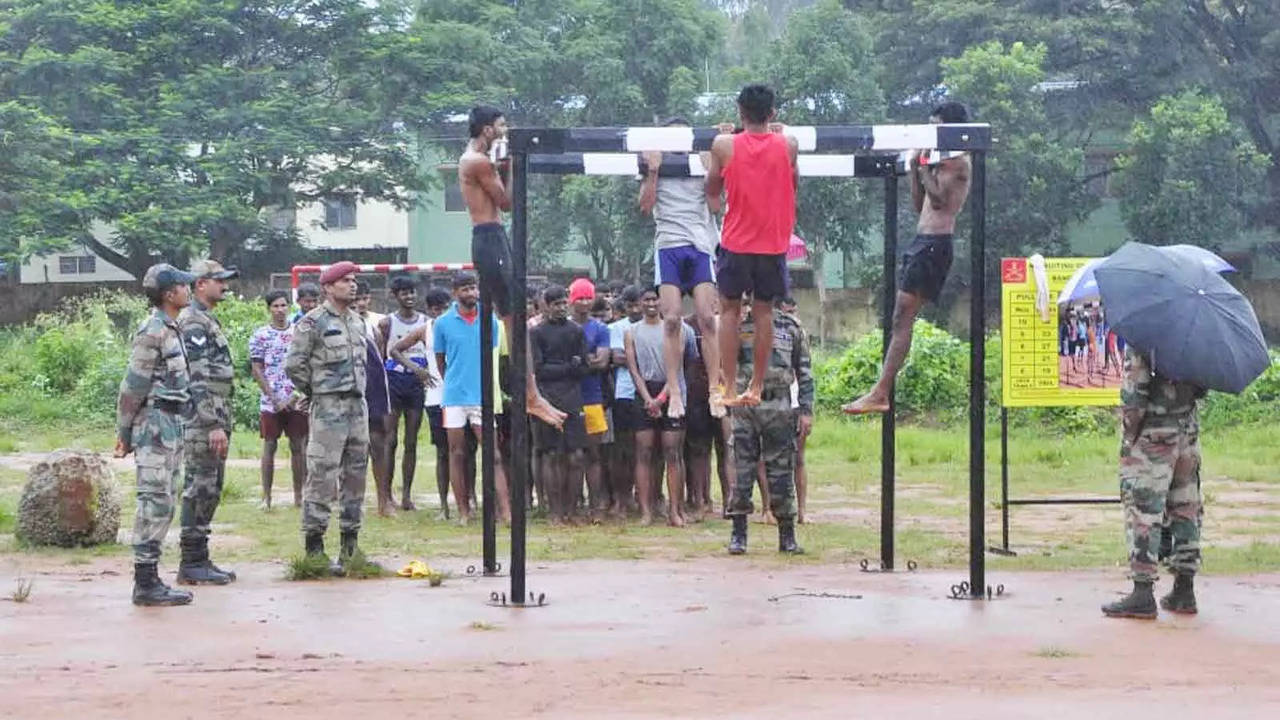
{"type": "Point", "coordinates": [684, 266]}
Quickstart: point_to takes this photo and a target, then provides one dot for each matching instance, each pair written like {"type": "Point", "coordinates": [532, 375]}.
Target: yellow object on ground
{"type": "Point", "coordinates": [416, 570]}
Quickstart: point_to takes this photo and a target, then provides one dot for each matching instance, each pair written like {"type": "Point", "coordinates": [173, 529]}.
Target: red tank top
{"type": "Point", "coordinates": [761, 195]}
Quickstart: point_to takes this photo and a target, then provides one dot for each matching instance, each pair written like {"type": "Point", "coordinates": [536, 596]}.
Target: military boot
{"type": "Point", "coordinates": [1182, 599]}
{"type": "Point", "coordinates": [1141, 603]}
{"type": "Point", "coordinates": [738, 540]}
{"type": "Point", "coordinates": [787, 537]}
{"type": "Point", "coordinates": [195, 568]}
{"type": "Point", "coordinates": [315, 546]}
{"type": "Point", "coordinates": [349, 549]}
{"type": "Point", "coordinates": [149, 590]}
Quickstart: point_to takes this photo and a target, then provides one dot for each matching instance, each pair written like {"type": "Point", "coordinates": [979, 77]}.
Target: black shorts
{"type": "Point", "coordinates": [626, 415]}
{"type": "Point", "coordinates": [766, 276]}
{"type": "Point", "coordinates": [572, 437]}
{"type": "Point", "coordinates": [925, 265]}
{"type": "Point", "coordinates": [663, 422]}
{"type": "Point", "coordinates": [491, 254]}
{"type": "Point", "coordinates": [435, 420]}
{"type": "Point", "coordinates": [406, 390]}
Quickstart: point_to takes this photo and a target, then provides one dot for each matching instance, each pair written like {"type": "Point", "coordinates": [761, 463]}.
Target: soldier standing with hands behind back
{"type": "Point", "coordinates": [326, 363]}
{"type": "Point", "coordinates": [208, 427]}
{"type": "Point", "coordinates": [153, 397]}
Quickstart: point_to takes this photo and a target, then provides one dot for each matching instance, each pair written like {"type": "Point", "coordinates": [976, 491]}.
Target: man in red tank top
{"type": "Point", "coordinates": [757, 170]}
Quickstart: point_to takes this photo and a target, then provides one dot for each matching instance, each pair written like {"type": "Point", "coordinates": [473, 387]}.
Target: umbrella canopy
{"type": "Point", "coordinates": [1083, 285]}
{"type": "Point", "coordinates": [1195, 325]}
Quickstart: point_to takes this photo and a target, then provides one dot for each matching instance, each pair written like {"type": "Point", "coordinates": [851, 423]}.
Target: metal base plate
{"type": "Point", "coordinates": [960, 591]}
{"type": "Point", "coordinates": [865, 566]}
{"type": "Point", "coordinates": [1004, 552]}
{"type": "Point", "coordinates": [499, 599]}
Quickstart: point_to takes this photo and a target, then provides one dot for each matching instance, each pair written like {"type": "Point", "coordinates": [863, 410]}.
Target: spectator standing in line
{"type": "Point", "coordinates": [407, 382]}
{"type": "Point", "coordinates": [658, 432]}
{"type": "Point", "coordinates": [582, 296]}
{"type": "Point", "coordinates": [626, 413]}
{"type": "Point", "coordinates": [277, 413]}
{"type": "Point", "coordinates": [456, 343]}
{"type": "Point", "coordinates": [379, 400]}
{"type": "Point", "coordinates": [437, 301]}
{"type": "Point", "coordinates": [308, 299]}
{"type": "Point", "coordinates": [560, 362]}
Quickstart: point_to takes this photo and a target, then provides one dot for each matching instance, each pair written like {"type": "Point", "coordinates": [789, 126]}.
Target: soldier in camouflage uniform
{"type": "Point", "coordinates": [768, 431]}
{"type": "Point", "coordinates": [326, 363]}
{"type": "Point", "coordinates": [208, 424]}
{"type": "Point", "coordinates": [153, 399]}
{"type": "Point", "coordinates": [1160, 486]}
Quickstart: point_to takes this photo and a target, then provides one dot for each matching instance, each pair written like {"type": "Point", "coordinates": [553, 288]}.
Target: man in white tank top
{"type": "Point", "coordinates": [407, 379]}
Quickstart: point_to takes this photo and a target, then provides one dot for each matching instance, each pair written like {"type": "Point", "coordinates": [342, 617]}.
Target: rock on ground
{"type": "Point", "coordinates": [71, 498]}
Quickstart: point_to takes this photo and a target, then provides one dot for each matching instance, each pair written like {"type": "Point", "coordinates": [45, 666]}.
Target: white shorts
{"type": "Point", "coordinates": [460, 416]}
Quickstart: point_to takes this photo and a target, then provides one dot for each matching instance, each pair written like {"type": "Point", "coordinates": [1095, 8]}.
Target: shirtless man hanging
{"type": "Point", "coordinates": [945, 186]}
{"type": "Point", "coordinates": [487, 194]}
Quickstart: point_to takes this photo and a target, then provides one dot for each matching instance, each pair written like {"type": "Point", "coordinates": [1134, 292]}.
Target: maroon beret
{"type": "Point", "coordinates": [337, 271]}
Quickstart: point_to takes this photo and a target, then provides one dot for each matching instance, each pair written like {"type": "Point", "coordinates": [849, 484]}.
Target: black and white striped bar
{"type": "Point", "coordinates": [678, 165]}
{"type": "Point", "coordinates": [811, 139]}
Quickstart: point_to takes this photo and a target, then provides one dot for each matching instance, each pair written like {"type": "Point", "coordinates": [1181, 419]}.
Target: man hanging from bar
{"type": "Point", "coordinates": [487, 193]}
{"type": "Point", "coordinates": [938, 191]}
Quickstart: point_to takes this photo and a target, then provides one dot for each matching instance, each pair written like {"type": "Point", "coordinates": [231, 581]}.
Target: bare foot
{"type": "Point", "coordinates": [645, 519]}
{"type": "Point", "coordinates": [717, 402]}
{"type": "Point", "coordinates": [407, 505]}
{"type": "Point", "coordinates": [675, 406]}
{"type": "Point", "coordinates": [750, 398]}
{"type": "Point", "coordinates": [265, 505]}
{"type": "Point", "coordinates": [555, 521]}
{"type": "Point", "coordinates": [769, 519]}
{"type": "Point", "coordinates": [386, 510]}
{"type": "Point", "coordinates": [674, 519]}
{"type": "Point", "coordinates": [537, 406]}
{"type": "Point", "coordinates": [866, 405]}
{"type": "Point", "coordinates": [464, 520]}
{"type": "Point", "coordinates": [443, 515]}
{"type": "Point", "coordinates": [800, 518]}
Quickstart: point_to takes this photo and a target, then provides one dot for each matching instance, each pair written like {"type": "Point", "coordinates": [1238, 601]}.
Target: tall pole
{"type": "Point", "coordinates": [977, 378]}
{"type": "Point", "coordinates": [487, 399]}
{"type": "Point", "coordinates": [888, 422]}
{"type": "Point", "coordinates": [519, 368]}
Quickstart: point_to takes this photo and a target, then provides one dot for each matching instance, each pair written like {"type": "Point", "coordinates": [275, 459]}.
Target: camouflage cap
{"type": "Point", "coordinates": [212, 269]}
{"type": "Point", "coordinates": [164, 276]}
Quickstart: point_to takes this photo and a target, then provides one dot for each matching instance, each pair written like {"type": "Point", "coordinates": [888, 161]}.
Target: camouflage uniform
{"type": "Point", "coordinates": [768, 430]}
{"type": "Point", "coordinates": [326, 363]}
{"type": "Point", "coordinates": [209, 356]}
{"type": "Point", "coordinates": [1159, 469]}
{"type": "Point", "coordinates": [153, 399]}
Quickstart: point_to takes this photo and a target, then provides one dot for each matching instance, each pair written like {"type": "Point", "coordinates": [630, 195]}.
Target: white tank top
{"type": "Point", "coordinates": [399, 329]}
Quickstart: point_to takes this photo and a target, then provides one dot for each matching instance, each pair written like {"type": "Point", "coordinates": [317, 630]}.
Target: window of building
{"type": "Point", "coordinates": [340, 213]}
{"type": "Point", "coordinates": [77, 264]}
{"type": "Point", "coordinates": [453, 201]}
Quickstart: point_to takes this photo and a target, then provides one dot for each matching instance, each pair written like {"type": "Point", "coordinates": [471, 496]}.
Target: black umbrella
{"type": "Point", "coordinates": [1195, 326]}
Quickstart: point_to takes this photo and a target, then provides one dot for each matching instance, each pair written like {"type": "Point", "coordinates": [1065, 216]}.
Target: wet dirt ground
{"type": "Point", "coordinates": [710, 638]}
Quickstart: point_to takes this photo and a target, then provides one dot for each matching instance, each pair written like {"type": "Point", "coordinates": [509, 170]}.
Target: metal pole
{"type": "Point", "coordinates": [519, 368]}
{"type": "Point", "coordinates": [1004, 478]}
{"type": "Point", "coordinates": [888, 421]}
{"type": "Point", "coordinates": [977, 378]}
{"type": "Point", "coordinates": [487, 432]}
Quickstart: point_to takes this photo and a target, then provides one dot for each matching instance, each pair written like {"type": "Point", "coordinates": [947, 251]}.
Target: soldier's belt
{"type": "Point", "coordinates": [345, 394]}
{"type": "Point", "coordinates": [169, 406]}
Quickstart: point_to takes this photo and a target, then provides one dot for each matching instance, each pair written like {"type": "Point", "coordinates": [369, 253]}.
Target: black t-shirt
{"type": "Point", "coordinates": [559, 363]}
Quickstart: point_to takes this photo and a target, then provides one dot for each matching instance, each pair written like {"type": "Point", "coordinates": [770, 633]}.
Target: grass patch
{"type": "Point", "coordinates": [22, 592]}
{"type": "Point", "coordinates": [8, 518]}
{"type": "Point", "coordinates": [233, 491]}
{"type": "Point", "coordinates": [359, 567]}
{"type": "Point", "coordinates": [1054, 652]}
{"type": "Point", "coordinates": [307, 567]}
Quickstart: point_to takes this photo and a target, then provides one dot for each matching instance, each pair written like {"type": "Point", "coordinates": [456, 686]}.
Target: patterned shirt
{"type": "Point", "coordinates": [270, 346]}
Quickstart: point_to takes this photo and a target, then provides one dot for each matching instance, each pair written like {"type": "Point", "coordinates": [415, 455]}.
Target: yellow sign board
{"type": "Point", "coordinates": [1055, 355]}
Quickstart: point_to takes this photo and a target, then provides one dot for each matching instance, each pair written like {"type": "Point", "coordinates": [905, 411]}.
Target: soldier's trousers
{"type": "Point", "coordinates": [202, 488]}
{"type": "Point", "coordinates": [1160, 488]}
{"type": "Point", "coordinates": [766, 432]}
{"type": "Point", "coordinates": [337, 461]}
{"type": "Point", "coordinates": [157, 448]}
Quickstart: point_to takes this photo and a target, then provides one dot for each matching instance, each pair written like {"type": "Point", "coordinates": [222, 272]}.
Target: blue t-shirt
{"type": "Point", "coordinates": [624, 387]}
{"type": "Point", "coordinates": [597, 337]}
{"type": "Point", "coordinates": [459, 341]}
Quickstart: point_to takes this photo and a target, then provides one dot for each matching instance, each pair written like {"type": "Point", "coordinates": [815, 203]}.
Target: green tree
{"type": "Point", "coordinates": [1193, 176]}
{"type": "Point", "coordinates": [194, 122]}
{"type": "Point", "coordinates": [32, 149]}
{"type": "Point", "coordinates": [1035, 187]}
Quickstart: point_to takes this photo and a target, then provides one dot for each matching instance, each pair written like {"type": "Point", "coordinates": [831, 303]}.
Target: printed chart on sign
{"type": "Point", "coordinates": [1052, 354]}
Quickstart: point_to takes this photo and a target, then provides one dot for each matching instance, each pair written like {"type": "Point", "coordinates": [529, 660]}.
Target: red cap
{"type": "Point", "coordinates": [337, 271]}
{"type": "Point", "coordinates": [581, 289]}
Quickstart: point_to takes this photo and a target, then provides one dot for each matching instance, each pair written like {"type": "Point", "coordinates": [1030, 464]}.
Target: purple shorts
{"type": "Point", "coordinates": [684, 266]}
